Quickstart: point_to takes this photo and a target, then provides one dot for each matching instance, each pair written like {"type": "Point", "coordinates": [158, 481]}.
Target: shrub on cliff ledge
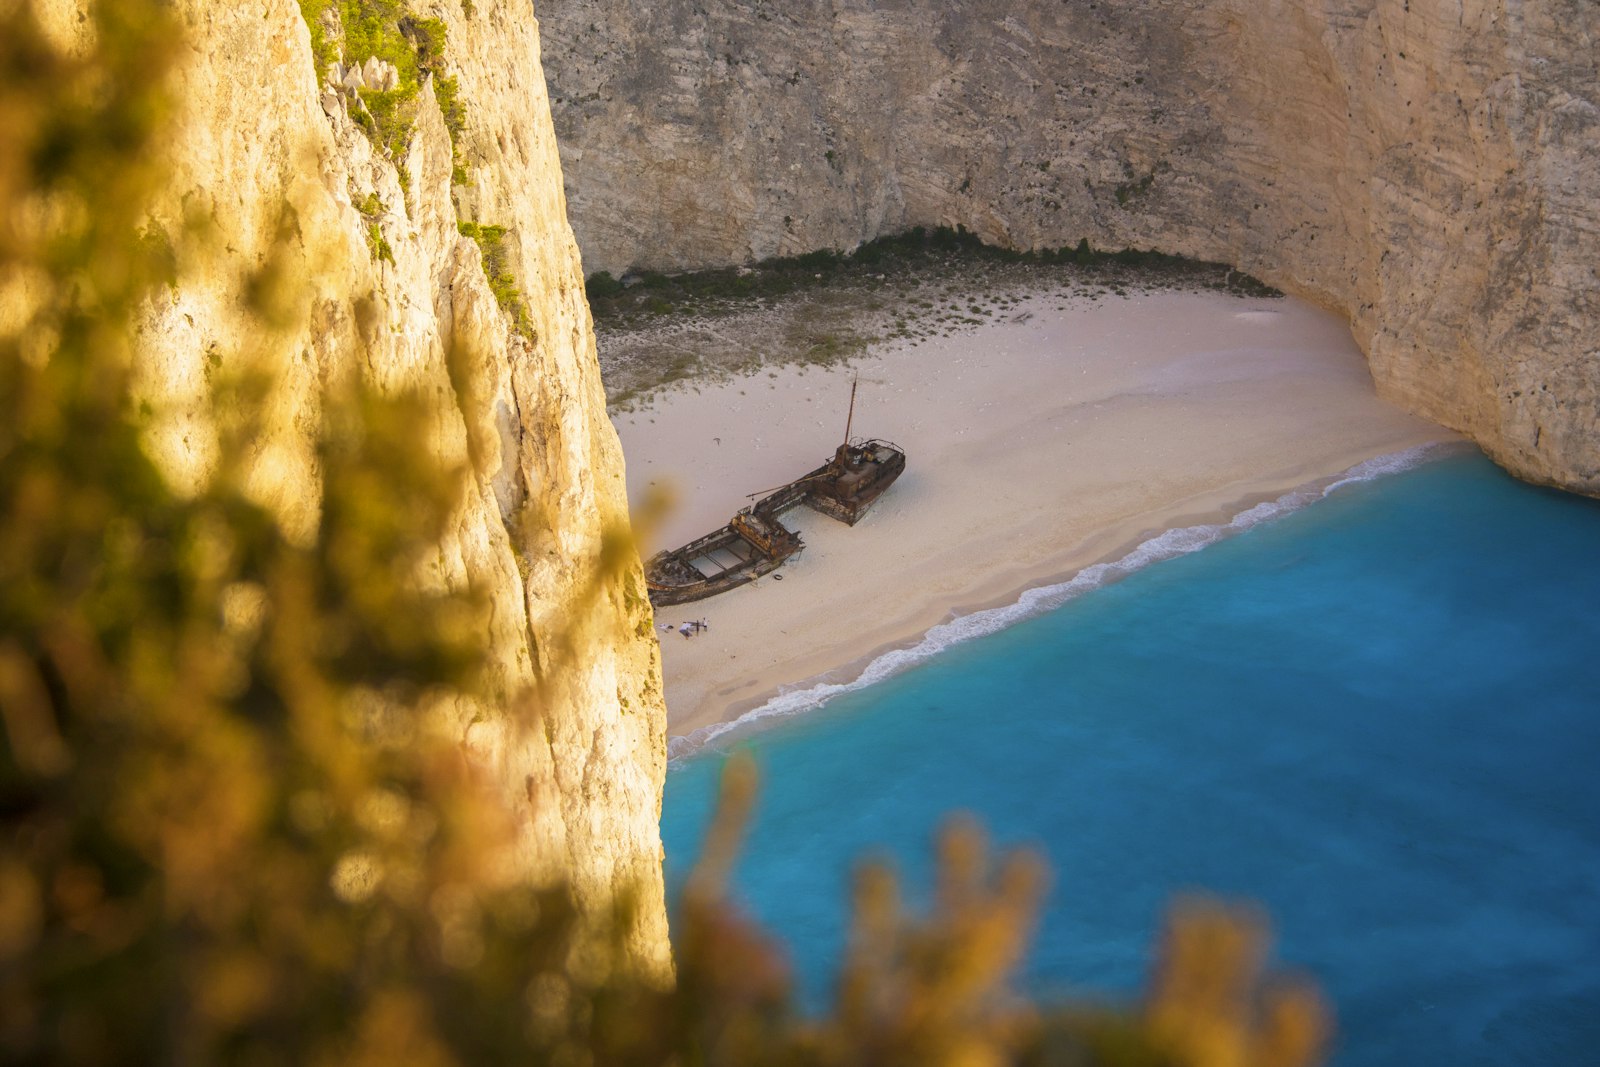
{"type": "Point", "coordinates": [497, 268]}
{"type": "Point", "coordinates": [387, 30]}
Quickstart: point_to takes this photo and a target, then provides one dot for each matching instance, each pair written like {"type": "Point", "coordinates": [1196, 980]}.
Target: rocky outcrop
{"type": "Point", "coordinates": [361, 262]}
{"type": "Point", "coordinates": [1426, 168]}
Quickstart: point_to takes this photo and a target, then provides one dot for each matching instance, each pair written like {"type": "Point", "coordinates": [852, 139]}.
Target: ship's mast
{"type": "Point", "coordinates": [852, 416]}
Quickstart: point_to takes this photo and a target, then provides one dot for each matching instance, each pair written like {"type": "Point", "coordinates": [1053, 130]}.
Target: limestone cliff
{"type": "Point", "coordinates": [372, 276]}
{"type": "Point", "coordinates": [1426, 167]}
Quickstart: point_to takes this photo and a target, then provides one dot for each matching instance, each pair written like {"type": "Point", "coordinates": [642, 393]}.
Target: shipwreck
{"type": "Point", "coordinates": [755, 542]}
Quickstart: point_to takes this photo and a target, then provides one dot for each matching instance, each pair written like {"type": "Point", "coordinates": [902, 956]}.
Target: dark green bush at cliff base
{"type": "Point", "coordinates": [919, 250]}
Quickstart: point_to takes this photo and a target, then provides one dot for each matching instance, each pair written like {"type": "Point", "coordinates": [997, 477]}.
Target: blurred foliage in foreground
{"type": "Point", "coordinates": [234, 829]}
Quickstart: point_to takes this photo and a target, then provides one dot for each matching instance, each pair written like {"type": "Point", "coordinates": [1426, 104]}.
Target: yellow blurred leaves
{"type": "Point", "coordinates": [1210, 1002]}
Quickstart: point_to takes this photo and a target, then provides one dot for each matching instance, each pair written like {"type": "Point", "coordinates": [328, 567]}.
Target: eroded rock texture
{"type": "Point", "coordinates": [271, 161]}
{"type": "Point", "coordinates": [1431, 168]}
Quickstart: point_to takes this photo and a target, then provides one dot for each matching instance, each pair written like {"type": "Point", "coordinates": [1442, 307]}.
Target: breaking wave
{"type": "Point", "coordinates": [1042, 599]}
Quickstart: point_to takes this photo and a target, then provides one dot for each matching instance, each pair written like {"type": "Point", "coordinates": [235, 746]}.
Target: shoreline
{"type": "Point", "coordinates": [1040, 596]}
{"type": "Point", "coordinates": [1057, 442]}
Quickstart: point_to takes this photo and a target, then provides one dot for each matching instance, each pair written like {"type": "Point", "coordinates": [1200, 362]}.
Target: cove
{"type": "Point", "coordinates": [1378, 716]}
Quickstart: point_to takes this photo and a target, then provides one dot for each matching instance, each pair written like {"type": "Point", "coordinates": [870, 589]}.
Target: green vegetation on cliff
{"type": "Point", "coordinates": [496, 266]}
{"type": "Point", "coordinates": [354, 31]}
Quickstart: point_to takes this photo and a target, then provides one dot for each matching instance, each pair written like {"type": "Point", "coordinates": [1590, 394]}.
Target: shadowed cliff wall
{"type": "Point", "coordinates": [1425, 167]}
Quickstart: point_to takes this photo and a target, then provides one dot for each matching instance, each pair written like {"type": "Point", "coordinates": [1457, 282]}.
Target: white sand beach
{"type": "Point", "coordinates": [1062, 435]}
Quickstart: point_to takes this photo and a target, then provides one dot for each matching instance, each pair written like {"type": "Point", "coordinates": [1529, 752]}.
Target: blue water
{"type": "Point", "coordinates": [1379, 716]}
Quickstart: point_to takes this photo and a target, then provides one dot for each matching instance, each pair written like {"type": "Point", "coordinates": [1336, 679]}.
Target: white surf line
{"type": "Point", "coordinates": [1037, 601]}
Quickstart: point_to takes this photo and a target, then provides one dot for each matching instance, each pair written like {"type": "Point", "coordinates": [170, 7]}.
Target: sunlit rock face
{"type": "Point", "coordinates": [1426, 168]}
{"type": "Point", "coordinates": [271, 164]}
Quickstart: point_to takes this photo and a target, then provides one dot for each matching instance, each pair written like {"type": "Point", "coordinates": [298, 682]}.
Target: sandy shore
{"type": "Point", "coordinates": [1062, 436]}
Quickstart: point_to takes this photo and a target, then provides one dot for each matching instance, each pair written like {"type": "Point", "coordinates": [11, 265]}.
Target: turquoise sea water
{"type": "Point", "coordinates": [1379, 716]}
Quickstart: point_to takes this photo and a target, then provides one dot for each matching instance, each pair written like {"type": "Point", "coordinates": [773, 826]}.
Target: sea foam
{"type": "Point", "coordinates": [1041, 599]}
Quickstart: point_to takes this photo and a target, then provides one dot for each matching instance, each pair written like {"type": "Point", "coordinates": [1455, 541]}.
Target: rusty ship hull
{"type": "Point", "coordinates": [845, 487]}
{"type": "Point", "coordinates": [756, 543]}
{"type": "Point", "coordinates": [721, 560]}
